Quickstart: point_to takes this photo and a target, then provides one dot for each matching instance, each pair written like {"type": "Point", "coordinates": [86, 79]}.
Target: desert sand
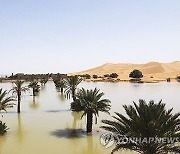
{"type": "Point", "coordinates": [152, 71]}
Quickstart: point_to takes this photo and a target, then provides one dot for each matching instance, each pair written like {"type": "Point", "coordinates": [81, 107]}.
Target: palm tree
{"type": "Point", "coordinates": [35, 87]}
{"type": "Point", "coordinates": [43, 81]}
{"type": "Point", "coordinates": [62, 85]}
{"type": "Point", "coordinates": [90, 102]}
{"type": "Point", "coordinates": [5, 101]}
{"type": "Point", "coordinates": [59, 83]}
{"type": "Point", "coordinates": [3, 128]}
{"type": "Point", "coordinates": [18, 89]}
{"type": "Point", "coordinates": [71, 86]}
{"type": "Point", "coordinates": [146, 121]}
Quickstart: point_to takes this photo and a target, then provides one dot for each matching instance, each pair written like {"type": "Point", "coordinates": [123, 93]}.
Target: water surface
{"type": "Point", "coordinates": [47, 126]}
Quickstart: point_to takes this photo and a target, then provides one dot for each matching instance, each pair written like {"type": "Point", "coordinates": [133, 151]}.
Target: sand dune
{"type": "Point", "coordinates": [151, 70]}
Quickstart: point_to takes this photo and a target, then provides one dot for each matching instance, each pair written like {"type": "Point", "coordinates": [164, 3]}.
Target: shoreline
{"type": "Point", "coordinates": [129, 80]}
{"type": "Point", "coordinates": [112, 80]}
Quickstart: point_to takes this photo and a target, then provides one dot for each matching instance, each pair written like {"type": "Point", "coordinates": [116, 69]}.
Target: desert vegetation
{"type": "Point", "coordinates": [17, 90]}
{"type": "Point", "coordinates": [145, 120]}
{"type": "Point", "coordinates": [71, 86]}
{"type": "Point", "coordinates": [5, 103]}
{"type": "Point", "coordinates": [43, 81]}
{"type": "Point", "coordinates": [95, 76]}
{"type": "Point", "coordinates": [136, 74]}
{"type": "Point", "coordinates": [34, 85]}
{"type": "Point", "coordinates": [86, 76]}
{"type": "Point", "coordinates": [178, 78]}
{"type": "Point", "coordinates": [59, 83]}
{"type": "Point", "coordinates": [90, 102]}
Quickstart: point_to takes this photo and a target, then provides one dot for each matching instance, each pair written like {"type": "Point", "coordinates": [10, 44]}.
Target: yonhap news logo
{"type": "Point", "coordinates": [108, 140]}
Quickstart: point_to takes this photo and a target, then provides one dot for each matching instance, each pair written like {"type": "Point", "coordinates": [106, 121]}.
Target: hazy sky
{"type": "Point", "coordinates": [41, 36]}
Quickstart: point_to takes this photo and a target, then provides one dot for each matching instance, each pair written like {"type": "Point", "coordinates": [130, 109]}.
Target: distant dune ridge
{"type": "Point", "coordinates": [151, 70]}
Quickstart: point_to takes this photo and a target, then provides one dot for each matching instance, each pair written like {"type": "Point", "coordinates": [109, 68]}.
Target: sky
{"type": "Point", "coordinates": [50, 36]}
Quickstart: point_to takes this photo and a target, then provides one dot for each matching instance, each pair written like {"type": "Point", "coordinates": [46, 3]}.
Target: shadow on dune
{"type": "Point", "coordinates": [69, 133]}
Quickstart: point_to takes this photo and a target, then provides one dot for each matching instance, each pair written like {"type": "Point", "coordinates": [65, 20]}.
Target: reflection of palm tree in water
{"type": "Point", "coordinates": [20, 132]}
{"type": "Point", "coordinates": [90, 144]}
{"type": "Point", "coordinates": [34, 105]}
{"type": "Point", "coordinates": [2, 141]}
{"type": "Point", "coordinates": [42, 88]}
{"type": "Point", "coordinates": [90, 149]}
{"type": "Point", "coordinates": [57, 89]}
{"type": "Point", "coordinates": [76, 116]}
{"type": "Point", "coordinates": [61, 96]}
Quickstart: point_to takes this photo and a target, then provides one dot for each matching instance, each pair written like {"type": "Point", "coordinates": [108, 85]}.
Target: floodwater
{"type": "Point", "coordinates": [47, 126]}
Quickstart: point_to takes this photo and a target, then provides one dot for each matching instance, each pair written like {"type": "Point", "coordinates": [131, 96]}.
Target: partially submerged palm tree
{"type": "Point", "coordinates": [3, 128]}
{"type": "Point", "coordinates": [44, 81]}
{"type": "Point", "coordinates": [56, 82]}
{"type": "Point", "coordinates": [90, 102]}
{"type": "Point", "coordinates": [5, 101]}
{"type": "Point", "coordinates": [18, 89]}
{"type": "Point", "coordinates": [146, 121]}
{"type": "Point", "coordinates": [35, 87]}
{"type": "Point", "coordinates": [71, 86]}
{"type": "Point", "coordinates": [59, 83]}
{"type": "Point", "coordinates": [62, 85]}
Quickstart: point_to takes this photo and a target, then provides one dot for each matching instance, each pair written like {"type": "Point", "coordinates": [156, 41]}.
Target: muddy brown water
{"type": "Point", "coordinates": [47, 126]}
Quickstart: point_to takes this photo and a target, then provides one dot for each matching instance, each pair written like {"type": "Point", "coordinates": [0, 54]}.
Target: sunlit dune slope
{"type": "Point", "coordinates": [150, 70]}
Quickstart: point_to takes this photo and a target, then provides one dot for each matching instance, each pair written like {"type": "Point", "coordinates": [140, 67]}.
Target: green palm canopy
{"type": "Point", "coordinates": [146, 120]}
{"type": "Point", "coordinates": [43, 81]}
{"type": "Point", "coordinates": [18, 89]}
{"type": "Point", "coordinates": [5, 101]}
{"type": "Point", "coordinates": [59, 83]}
{"type": "Point", "coordinates": [71, 84]}
{"type": "Point", "coordinates": [90, 102]}
{"type": "Point", "coordinates": [35, 87]}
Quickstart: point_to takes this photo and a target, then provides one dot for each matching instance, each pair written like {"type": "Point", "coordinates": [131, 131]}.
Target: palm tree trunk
{"type": "Point", "coordinates": [89, 122]}
{"type": "Point", "coordinates": [34, 92]}
{"type": "Point", "coordinates": [61, 90]}
{"type": "Point", "coordinates": [19, 102]}
{"type": "Point", "coordinates": [73, 95]}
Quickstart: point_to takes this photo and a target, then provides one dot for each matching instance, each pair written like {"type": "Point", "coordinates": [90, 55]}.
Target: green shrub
{"type": "Point", "coordinates": [178, 78]}
{"type": "Point", "coordinates": [87, 76]}
{"type": "Point", "coordinates": [137, 74]}
{"type": "Point", "coordinates": [106, 75]}
{"type": "Point", "coordinates": [168, 79]}
{"type": "Point", "coordinates": [95, 76]}
{"type": "Point", "coordinates": [113, 75]}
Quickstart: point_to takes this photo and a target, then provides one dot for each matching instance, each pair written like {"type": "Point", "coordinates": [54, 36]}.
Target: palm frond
{"type": "Point", "coordinates": [146, 120]}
